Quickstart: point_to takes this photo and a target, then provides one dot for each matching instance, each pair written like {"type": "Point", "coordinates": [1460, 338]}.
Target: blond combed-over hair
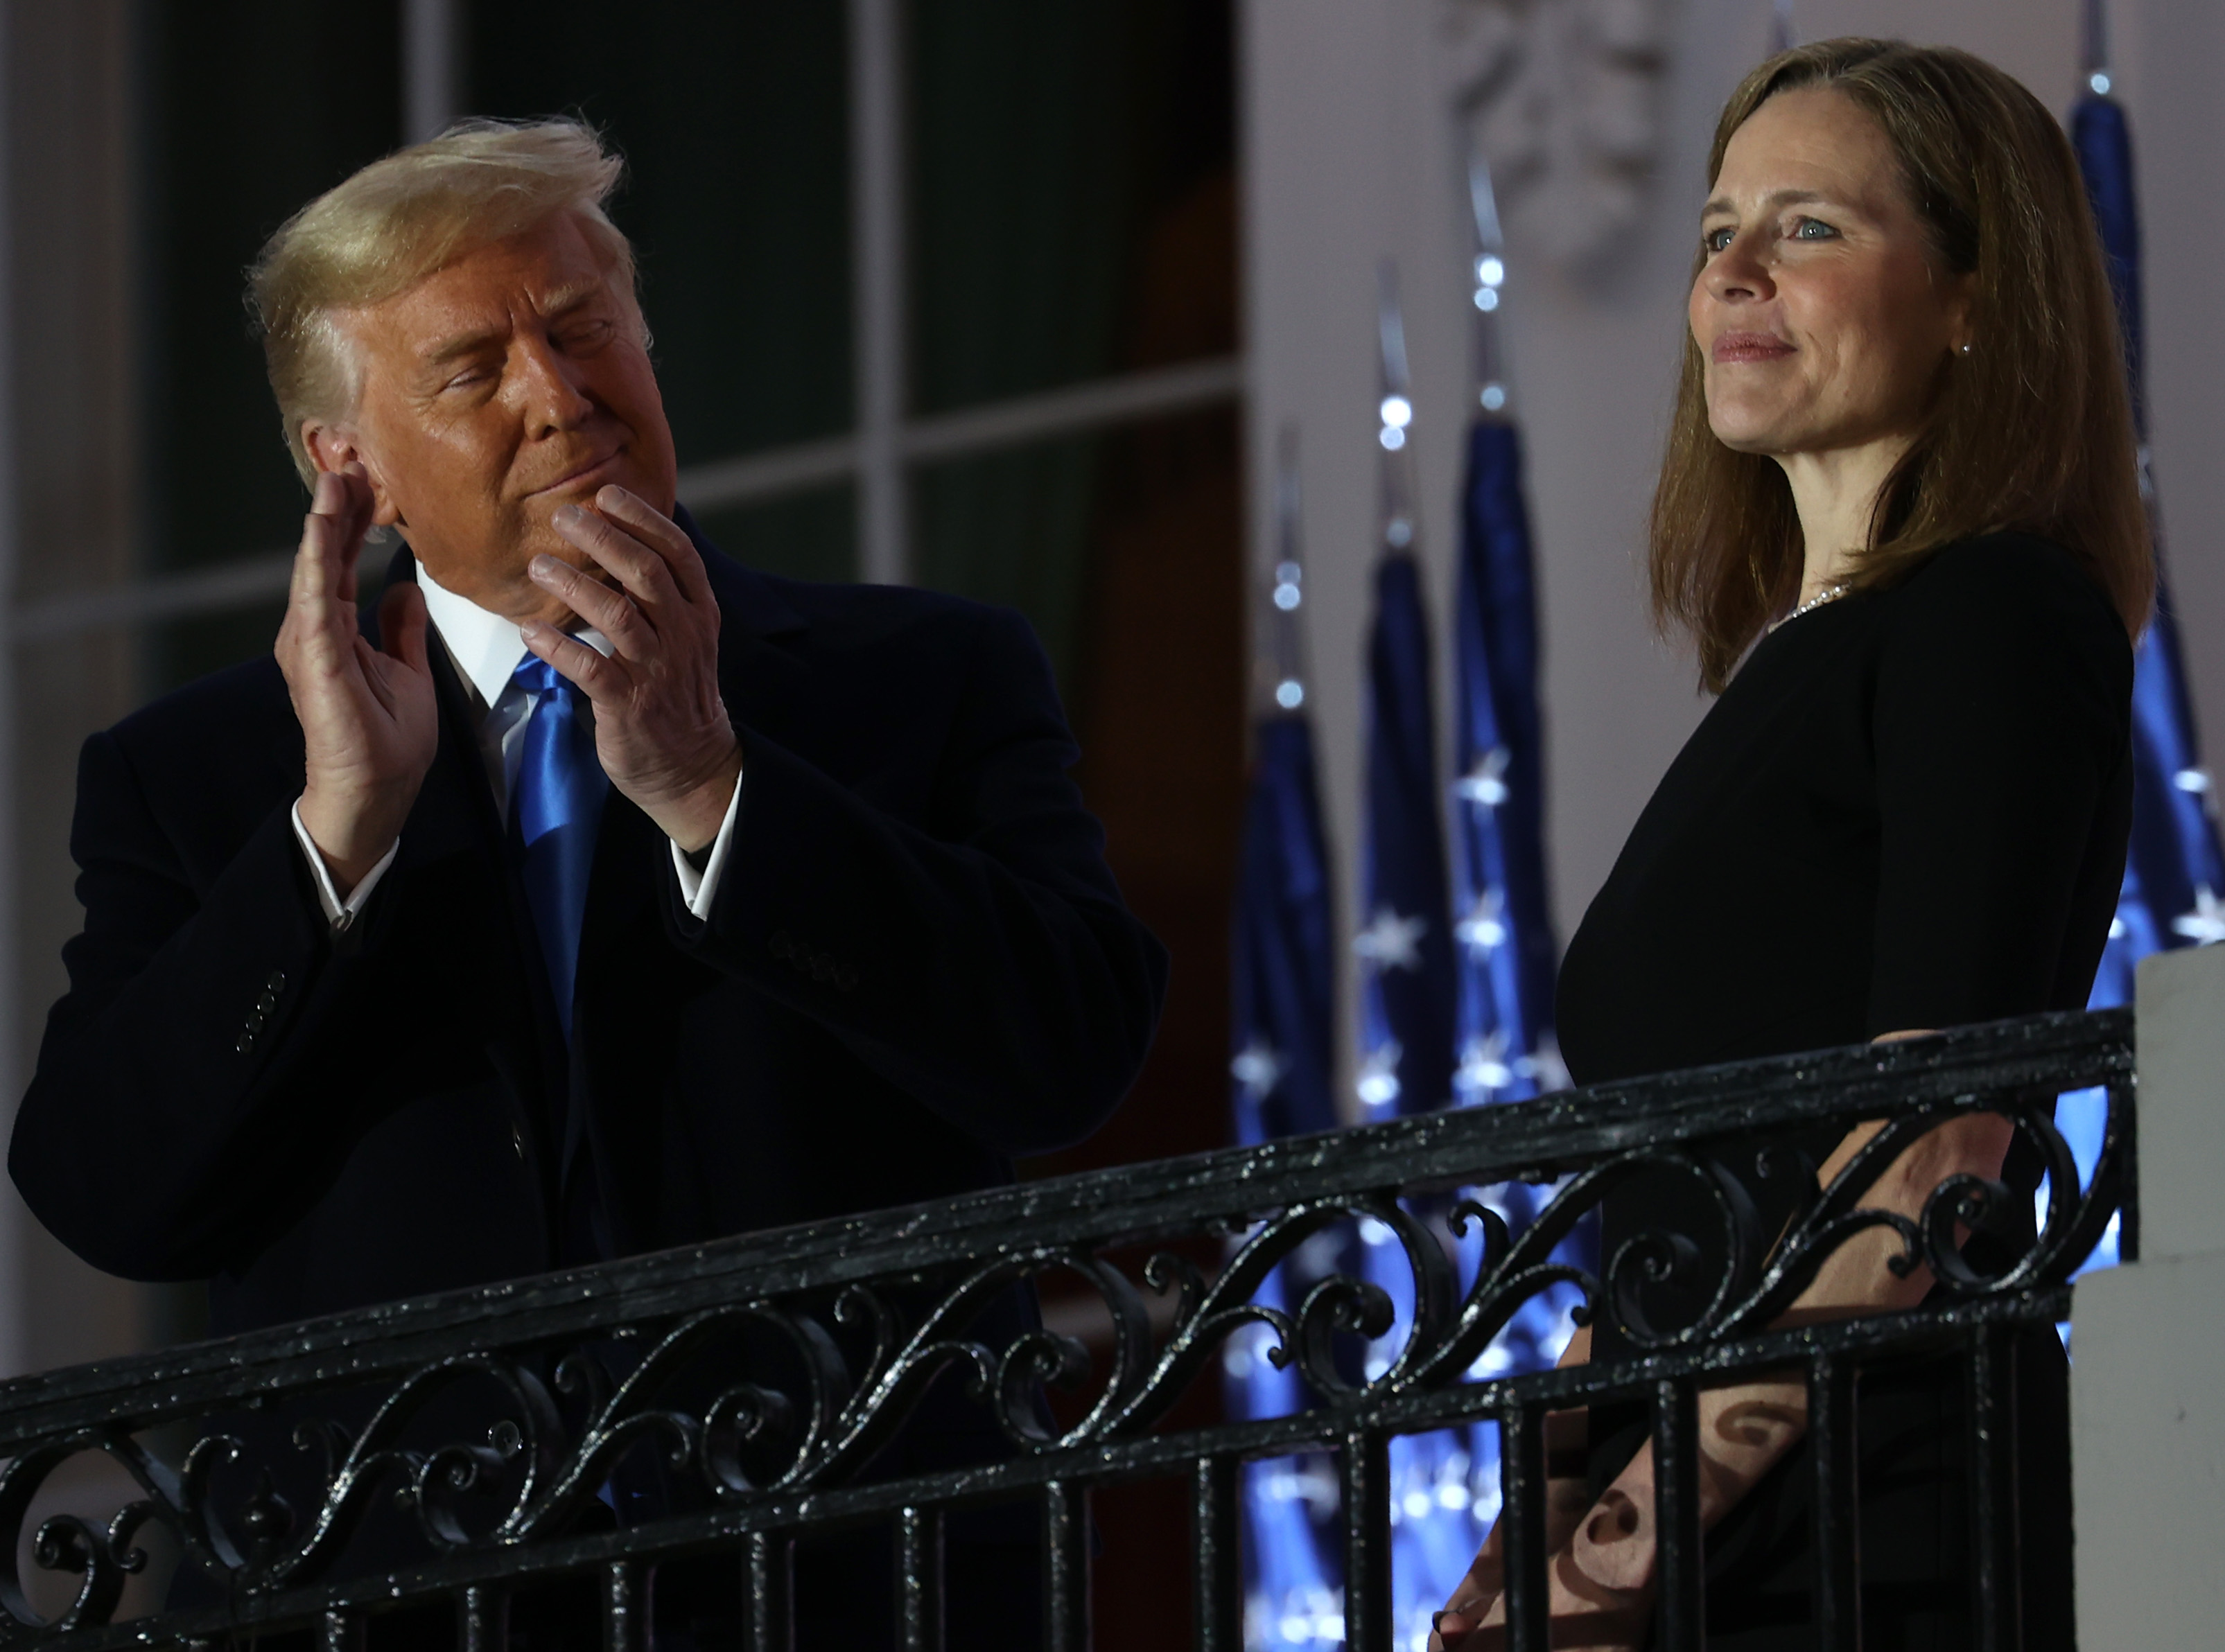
{"type": "Point", "coordinates": [401, 219]}
{"type": "Point", "coordinates": [2033, 430]}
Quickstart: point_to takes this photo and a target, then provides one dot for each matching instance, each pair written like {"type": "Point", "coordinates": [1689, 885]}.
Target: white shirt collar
{"type": "Point", "coordinates": [485, 646]}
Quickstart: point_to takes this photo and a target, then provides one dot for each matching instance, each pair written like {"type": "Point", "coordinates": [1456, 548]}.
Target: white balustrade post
{"type": "Point", "coordinates": [2147, 1376]}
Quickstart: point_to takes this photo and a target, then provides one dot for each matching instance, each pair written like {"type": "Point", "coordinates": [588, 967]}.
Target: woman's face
{"type": "Point", "coordinates": [1821, 313]}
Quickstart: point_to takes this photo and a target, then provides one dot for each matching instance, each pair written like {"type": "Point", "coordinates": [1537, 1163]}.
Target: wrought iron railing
{"type": "Point", "coordinates": [765, 1371]}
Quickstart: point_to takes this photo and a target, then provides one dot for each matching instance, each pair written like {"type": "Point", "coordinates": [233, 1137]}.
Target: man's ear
{"type": "Point", "coordinates": [334, 447]}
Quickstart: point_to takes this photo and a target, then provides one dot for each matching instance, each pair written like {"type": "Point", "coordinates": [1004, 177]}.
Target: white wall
{"type": "Point", "coordinates": [1350, 157]}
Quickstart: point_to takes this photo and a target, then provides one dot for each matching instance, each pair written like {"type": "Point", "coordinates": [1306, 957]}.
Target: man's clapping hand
{"type": "Point", "coordinates": [369, 723]}
{"type": "Point", "coordinates": [660, 728]}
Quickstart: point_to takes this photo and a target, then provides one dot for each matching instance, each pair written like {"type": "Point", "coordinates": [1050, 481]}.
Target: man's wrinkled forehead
{"type": "Point", "coordinates": [550, 305]}
{"type": "Point", "coordinates": [473, 304]}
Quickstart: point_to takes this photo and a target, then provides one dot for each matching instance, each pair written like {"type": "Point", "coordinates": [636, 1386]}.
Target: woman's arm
{"type": "Point", "coordinates": [1567, 1496]}
{"type": "Point", "coordinates": [1604, 1571]}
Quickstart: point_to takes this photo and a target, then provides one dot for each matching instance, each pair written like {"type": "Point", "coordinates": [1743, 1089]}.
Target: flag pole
{"type": "Point", "coordinates": [2095, 47]}
{"type": "Point", "coordinates": [1283, 659]}
{"type": "Point", "coordinates": [1488, 269]}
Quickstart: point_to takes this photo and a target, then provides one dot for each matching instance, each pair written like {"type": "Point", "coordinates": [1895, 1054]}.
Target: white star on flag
{"type": "Point", "coordinates": [2196, 782]}
{"type": "Point", "coordinates": [1485, 926]}
{"type": "Point", "coordinates": [1259, 1069]}
{"type": "Point", "coordinates": [1485, 784]}
{"type": "Point", "coordinates": [1483, 1066]}
{"type": "Point", "coordinates": [1378, 1074]}
{"type": "Point", "coordinates": [1390, 942]}
{"type": "Point", "coordinates": [2205, 925]}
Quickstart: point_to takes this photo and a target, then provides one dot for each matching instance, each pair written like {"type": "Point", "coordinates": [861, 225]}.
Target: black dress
{"type": "Point", "coordinates": [1909, 809]}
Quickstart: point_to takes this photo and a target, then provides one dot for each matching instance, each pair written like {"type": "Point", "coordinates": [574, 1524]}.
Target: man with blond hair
{"type": "Point", "coordinates": [600, 896]}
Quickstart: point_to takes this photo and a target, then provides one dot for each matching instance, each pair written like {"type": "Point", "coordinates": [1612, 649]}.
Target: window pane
{"type": "Point", "coordinates": [1154, 688]}
{"type": "Point", "coordinates": [801, 536]}
{"type": "Point", "coordinates": [732, 121]}
{"type": "Point", "coordinates": [1047, 143]}
{"type": "Point", "coordinates": [1012, 528]}
{"type": "Point", "coordinates": [250, 108]}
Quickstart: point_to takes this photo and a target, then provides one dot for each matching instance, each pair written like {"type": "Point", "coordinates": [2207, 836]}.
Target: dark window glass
{"type": "Point", "coordinates": [178, 651]}
{"type": "Point", "coordinates": [251, 108]}
{"type": "Point", "coordinates": [1073, 215]}
{"type": "Point", "coordinates": [801, 535]}
{"type": "Point", "coordinates": [1012, 527]}
{"type": "Point", "coordinates": [732, 121]}
{"type": "Point", "coordinates": [1045, 142]}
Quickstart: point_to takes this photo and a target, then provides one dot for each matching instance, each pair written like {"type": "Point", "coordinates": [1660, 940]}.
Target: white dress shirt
{"type": "Point", "coordinates": [485, 649]}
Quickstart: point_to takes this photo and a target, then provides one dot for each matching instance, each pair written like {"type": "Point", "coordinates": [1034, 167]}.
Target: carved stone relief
{"type": "Point", "coordinates": [1564, 98]}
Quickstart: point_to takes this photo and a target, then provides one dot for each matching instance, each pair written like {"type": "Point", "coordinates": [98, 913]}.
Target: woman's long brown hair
{"type": "Point", "coordinates": [2033, 430]}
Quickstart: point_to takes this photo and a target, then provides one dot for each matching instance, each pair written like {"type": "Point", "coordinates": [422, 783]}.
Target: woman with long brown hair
{"type": "Point", "coordinates": [1900, 517]}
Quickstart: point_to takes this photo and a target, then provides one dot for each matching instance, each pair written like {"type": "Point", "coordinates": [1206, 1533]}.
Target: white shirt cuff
{"type": "Point", "coordinates": [338, 912]}
{"type": "Point", "coordinates": [696, 888]}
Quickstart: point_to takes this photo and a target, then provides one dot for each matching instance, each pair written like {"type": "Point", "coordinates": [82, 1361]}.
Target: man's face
{"type": "Point", "coordinates": [511, 382]}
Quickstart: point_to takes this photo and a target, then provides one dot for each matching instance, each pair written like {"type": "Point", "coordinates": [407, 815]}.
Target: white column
{"type": "Point", "coordinates": [877, 253]}
{"type": "Point", "coordinates": [2147, 1342]}
{"type": "Point", "coordinates": [432, 67]}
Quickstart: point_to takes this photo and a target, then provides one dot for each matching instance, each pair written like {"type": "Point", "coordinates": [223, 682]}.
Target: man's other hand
{"type": "Point", "coordinates": [369, 723]}
{"type": "Point", "coordinates": [660, 728]}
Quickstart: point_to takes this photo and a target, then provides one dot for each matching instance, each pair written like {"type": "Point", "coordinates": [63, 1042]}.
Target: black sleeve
{"type": "Point", "coordinates": [171, 1079]}
{"type": "Point", "coordinates": [2002, 716]}
{"type": "Point", "coordinates": [989, 967]}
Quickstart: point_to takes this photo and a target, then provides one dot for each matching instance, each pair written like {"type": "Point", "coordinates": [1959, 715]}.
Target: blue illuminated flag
{"type": "Point", "coordinates": [1283, 1067]}
{"type": "Point", "coordinates": [1500, 968]}
{"type": "Point", "coordinates": [1507, 957]}
{"type": "Point", "coordinates": [2174, 875]}
{"type": "Point", "coordinates": [1503, 926]}
{"type": "Point", "coordinates": [1404, 943]}
{"type": "Point", "coordinates": [1285, 990]}
{"type": "Point", "coordinates": [1445, 1485]}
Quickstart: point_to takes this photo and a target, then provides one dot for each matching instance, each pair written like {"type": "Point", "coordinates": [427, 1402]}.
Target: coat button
{"type": "Point", "coordinates": [277, 984]}
{"type": "Point", "coordinates": [518, 1142]}
{"type": "Point", "coordinates": [246, 1043]}
{"type": "Point", "coordinates": [780, 944]}
{"type": "Point", "coordinates": [255, 1023]}
{"type": "Point", "coordinates": [266, 1003]}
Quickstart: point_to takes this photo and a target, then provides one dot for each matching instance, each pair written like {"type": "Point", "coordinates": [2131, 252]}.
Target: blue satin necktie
{"type": "Point", "coordinates": [557, 806]}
